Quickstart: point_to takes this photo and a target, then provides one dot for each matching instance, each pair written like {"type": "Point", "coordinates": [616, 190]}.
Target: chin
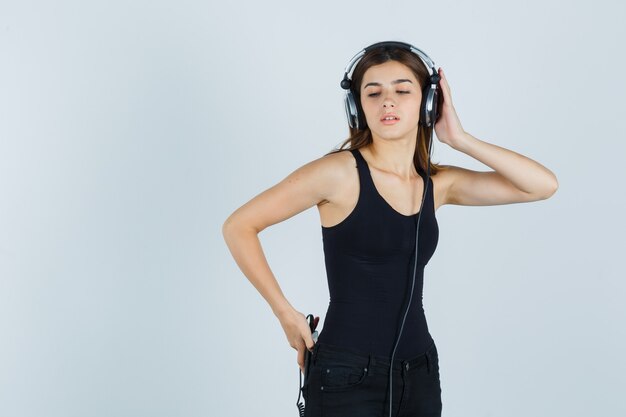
{"type": "Point", "coordinates": [392, 136]}
{"type": "Point", "coordinates": [395, 133]}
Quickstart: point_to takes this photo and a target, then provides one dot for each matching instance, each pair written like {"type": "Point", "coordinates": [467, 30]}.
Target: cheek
{"type": "Point", "coordinates": [368, 108]}
{"type": "Point", "coordinates": [416, 107]}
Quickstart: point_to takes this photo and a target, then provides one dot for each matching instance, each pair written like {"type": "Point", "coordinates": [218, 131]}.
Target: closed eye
{"type": "Point", "coordinates": [401, 92]}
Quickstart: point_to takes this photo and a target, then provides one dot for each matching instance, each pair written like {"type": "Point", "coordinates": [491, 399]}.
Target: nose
{"type": "Point", "coordinates": [388, 102]}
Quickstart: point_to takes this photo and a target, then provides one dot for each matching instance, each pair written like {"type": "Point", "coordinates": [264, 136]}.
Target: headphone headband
{"type": "Point", "coordinates": [346, 82]}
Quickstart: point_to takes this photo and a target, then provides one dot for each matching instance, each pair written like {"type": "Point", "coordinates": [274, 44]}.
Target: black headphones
{"type": "Point", "coordinates": [431, 97]}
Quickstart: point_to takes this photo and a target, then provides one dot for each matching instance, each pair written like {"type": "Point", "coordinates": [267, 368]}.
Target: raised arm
{"type": "Point", "coordinates": [515, 178]}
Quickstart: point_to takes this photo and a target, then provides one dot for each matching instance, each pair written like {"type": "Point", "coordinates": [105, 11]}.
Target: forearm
{"type": "Point", "coordinates": [245, 247]}
{"type": "Point", "coordinates": [526, 174]}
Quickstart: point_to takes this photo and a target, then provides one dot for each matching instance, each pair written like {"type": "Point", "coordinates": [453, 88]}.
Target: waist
{"type": "Point", "coordinates": [333, 353]}
{"type": "Point", "coordinates": [343, 310]}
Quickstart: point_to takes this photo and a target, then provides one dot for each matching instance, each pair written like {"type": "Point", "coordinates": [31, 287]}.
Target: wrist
{"type": "Point", "coordinates": [282, 310]}
{"type": "Point", "coordinates": [463, 141]}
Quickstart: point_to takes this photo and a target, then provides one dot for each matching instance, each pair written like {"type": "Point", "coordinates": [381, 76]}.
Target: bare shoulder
{"type": "Point", "coordinates": [313, 183]}
{"type": "Point", "coordinates": [340, 168]}
{"type": "Point", "coordinates": [327, 174]}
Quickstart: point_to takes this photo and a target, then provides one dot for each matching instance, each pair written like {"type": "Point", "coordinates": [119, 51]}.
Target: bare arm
{"type": "Point", "coordinates": [245, 247]}
{"type": "Point", "coordinates": [516, 178]}
{"type": "Point", "coordinates": [300, 190]}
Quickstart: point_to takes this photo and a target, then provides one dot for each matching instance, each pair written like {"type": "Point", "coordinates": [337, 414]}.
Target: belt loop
{"type": "Point", "coordinates": [372, 361]}
{"type": "Point", "coordinates": [428, 362]}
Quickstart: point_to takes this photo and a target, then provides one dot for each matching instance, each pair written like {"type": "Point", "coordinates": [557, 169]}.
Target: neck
{"type": "Point", "coordinates": [395, 156]}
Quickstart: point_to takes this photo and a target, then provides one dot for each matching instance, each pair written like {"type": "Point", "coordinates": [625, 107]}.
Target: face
{"type": "Point", "coordinates": [392, 88]}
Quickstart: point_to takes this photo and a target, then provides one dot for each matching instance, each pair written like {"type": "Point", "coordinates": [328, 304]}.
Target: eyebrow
{"type": "Point", "coordinates": [401, 80]}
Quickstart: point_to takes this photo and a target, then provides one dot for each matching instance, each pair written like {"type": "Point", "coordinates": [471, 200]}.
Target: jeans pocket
{"type": "Point", "coordinates": [342, 377]}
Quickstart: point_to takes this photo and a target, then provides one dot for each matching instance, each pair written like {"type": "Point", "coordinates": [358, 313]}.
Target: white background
{"type": "Point", "coordinates": [129, 131]}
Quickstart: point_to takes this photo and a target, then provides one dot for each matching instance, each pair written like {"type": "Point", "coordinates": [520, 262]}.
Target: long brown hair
{"type": "Point", "coordinates": [361, 138]}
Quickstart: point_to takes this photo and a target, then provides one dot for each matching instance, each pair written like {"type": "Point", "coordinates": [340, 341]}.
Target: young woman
{"type": "Point", "coordinates": [371, 197]}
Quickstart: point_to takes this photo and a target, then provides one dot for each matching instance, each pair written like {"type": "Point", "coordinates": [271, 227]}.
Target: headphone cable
{"type": "Point", "coordinates": [426, 181]}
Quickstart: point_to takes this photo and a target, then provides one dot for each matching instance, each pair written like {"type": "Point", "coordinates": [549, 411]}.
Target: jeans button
{"type": "Point", "coordinates": [407, 366]}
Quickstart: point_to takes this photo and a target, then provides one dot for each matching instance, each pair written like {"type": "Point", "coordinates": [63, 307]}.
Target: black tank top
{"type": "Point", "coordinates": [369, 260]}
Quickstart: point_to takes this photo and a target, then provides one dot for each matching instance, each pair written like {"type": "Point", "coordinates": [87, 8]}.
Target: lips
{"type": "Point", "coordinates": [382, 119]}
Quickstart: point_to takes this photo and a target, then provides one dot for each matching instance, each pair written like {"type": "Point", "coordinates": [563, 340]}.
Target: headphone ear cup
{"type": "Point", "coordinates": [430, 99]}
{"type": "Point", "coordinates": [351, 110]}
{"type": "Point", "coordinates": [424, 116]}
{"type": "Point", "coordinates": [437, 100]}
{"type": "Point", "coordinates": [354, 113]}
{"type": "Point", "coordinates": [360, 114]}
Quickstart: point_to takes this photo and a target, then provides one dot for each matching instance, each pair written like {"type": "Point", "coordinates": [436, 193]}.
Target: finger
{"type": "Point", "coordinates": [445, 87]}
{"type": "Point", "coordinates": [301, 357]}
{"type": "Point", "coordinates": [442, 75]}
{"type": "Point", "coordinates": [308, 340]}
{"type": "Point", "coordinates": [445, 81]}
{"type": "Point", "coordinates": [442, 81]}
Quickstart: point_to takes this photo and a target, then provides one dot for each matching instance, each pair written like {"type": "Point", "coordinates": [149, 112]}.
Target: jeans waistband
{"type": "Point", "coordinates": [356, 357]}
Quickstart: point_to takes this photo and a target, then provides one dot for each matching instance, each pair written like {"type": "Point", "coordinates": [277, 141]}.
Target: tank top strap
{"type": "Point", "coordinates": [429, 199]}
{"type": "Point", "coordinates": [367, 191]}
{"type": "Point", "coordinates": [360, 161]}
{"type": "Point", "coordinates": [365, 178]}
{"type": "Point", "coordinates": [360, 164]}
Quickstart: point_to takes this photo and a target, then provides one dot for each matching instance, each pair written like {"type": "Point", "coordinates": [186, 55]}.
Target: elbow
{"type": "Point", "coordinates": [227, 227]}
{"type": "Point", "coordinates": [232, 226]}
{"type": "Point", "coordinates": [555, 186]}
{"type": "Point", "coordinates": [551, 190]}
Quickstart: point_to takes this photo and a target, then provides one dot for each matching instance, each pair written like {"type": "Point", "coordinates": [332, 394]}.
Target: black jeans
{"type": "Point", "coordinates": [343, 382]}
